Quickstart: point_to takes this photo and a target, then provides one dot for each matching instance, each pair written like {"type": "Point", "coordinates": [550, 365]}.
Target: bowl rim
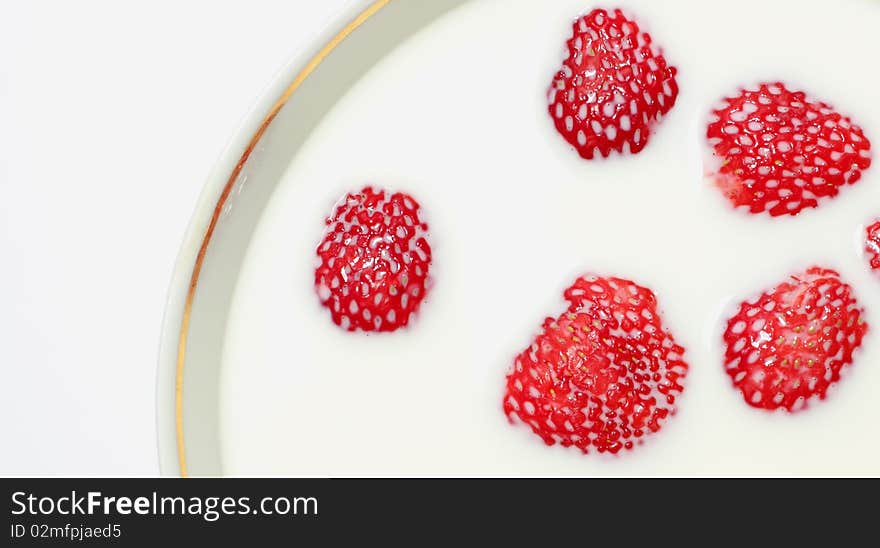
{"type": "Point", "coordinates": [197, 238]}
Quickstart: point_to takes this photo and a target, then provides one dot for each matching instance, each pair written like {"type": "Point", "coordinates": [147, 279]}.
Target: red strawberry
{"type": "Point", "coordinates": [612, 88]}
{"type": "Point", "coordinates": [872, 244]}
{"type": "Point", "coordinates": [775, 150]}
{"type": "Point", "coordinates": [789, 345]}
{"type": "Point", "coordinates": [374, 261]}
{"type": "Point", "coordinates": [604, 374]}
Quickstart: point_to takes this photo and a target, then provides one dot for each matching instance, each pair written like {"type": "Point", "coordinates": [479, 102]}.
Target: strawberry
{"type": "Point", "coordinates": [374, 261]}
{"type": "Point", "coordinates": [789, 344]}
{"type": "Point", "coordinates": [605, 373]}
{"type": "Point", "coordinates": [612, 88]}
{"type": "Point", "coordinates": [775, 150]}
{"type": "Point", "coordinates": [872, 244]}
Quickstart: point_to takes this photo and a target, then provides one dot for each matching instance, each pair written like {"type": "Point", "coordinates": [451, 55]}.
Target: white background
{"type": "Point", "coordinates": [111, 115]}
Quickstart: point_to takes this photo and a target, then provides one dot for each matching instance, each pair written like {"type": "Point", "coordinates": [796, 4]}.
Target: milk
{"type": "Point", "coordinates": [457, 117]}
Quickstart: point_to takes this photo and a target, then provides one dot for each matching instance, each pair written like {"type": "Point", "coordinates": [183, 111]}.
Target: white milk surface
{"type": "Point", "coordinates": [457, 117]}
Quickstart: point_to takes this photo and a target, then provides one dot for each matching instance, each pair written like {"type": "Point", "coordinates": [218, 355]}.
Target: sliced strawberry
{"type": "Point", "coordinates": [603, 374]}
{"type": "Point", "coordinates": [612, 88]}
{"type": "Point", "coordinates": [777, 151]}
{"type": "Point", "coordinates": [374, 261]}
{"type": "Point", "coordinates": [872, 244]}
{"type": "Point", "coordinates": [789, 345]}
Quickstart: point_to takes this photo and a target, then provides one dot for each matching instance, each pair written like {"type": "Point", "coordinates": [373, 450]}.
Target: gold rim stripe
{"type": "Point", "coordinates": [206, 240]}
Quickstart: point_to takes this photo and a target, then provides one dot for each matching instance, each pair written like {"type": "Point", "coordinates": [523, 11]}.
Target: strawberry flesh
{"type": "Point", "coordinates": [613, 87]}
{"type": "Point", "coordinates": [604, 374]}
{"type": "Point", "coordinates": [788, 346]}
{"type": "Point", "coordinates": [374, 261]}
{"type": "Point", "coordinates": [776, 151]}
{"type": "Point", "coordinates": [872, 244]}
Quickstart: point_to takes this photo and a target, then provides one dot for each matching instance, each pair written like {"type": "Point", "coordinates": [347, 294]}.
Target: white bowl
{"type": "Point", "coordinates": [213, 418]}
